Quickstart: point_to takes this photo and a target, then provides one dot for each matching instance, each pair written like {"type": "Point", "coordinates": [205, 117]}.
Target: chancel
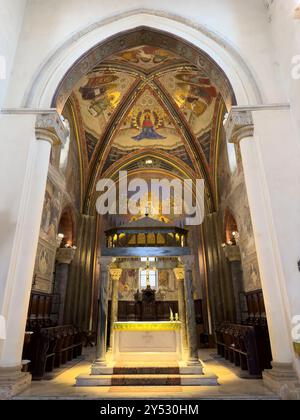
{"type": "Point", "coordinates": [152, 338]}
{"type": "Point", "coordinates": [149, 211]}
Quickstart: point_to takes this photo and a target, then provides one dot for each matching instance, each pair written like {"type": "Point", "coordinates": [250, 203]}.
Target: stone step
{"type": "Point", "coordinates": [147, 380]}
{"type": "Point", "coordinates": [146, 370]}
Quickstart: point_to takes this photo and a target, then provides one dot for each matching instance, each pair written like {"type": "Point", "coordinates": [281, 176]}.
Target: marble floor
{"type": "Point", "coordinates": [231, 386]}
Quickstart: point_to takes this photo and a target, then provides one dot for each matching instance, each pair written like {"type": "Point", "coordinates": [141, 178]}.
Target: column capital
{"type": "Point", "coordinates": [188, 262]}
{"type": "Point", "coordinates": [65, 255]}
{"type": "Point", "coordinates": [115, 273]}
{"type": "Point", "coordinates": [238, 125]}
{"type": "Point", "coordinates": [105, 262]}
{"type": "Point", "coordinates": [232, 252]}
{"type": "Point", "coordinates": [179, 273]}
{"type": "Point", "coordinates": [51, 127]}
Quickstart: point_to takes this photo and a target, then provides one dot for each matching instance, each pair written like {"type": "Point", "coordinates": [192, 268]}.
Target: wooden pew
{"type": "Point", "coordinates": [247, 346]}
{"type": "Point", "coordinates": [51, 347]}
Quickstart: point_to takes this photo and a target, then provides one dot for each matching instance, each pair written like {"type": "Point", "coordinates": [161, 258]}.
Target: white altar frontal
{"type": "Point", "coordinates": [147, 341]}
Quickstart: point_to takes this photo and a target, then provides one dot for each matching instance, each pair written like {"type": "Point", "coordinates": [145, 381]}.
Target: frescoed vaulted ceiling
{"type": "Point", "coordinates": [149, 100]}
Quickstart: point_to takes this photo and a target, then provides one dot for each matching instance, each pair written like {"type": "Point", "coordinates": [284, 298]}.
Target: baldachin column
{"type": "Point", "coordinates": [179, 274]}
{"type": "Point", "coordinates": [193, 359]}
{"type": "Point", "coordinates": [105, 263]}
{"type": "Point", "coordinates": [115, 275]}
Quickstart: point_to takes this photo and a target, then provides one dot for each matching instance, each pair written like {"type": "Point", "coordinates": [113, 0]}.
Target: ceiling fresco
{"type": "Point", "coordinates": [146, 58]}
{"type": "Point", "coordinates": [153, 97]}
{"type": "Point", "coordinates": [195, 98]}
{"type": "Point", "coordinates": [147, 125]}
{"type": "Point", "coordinates": [98, 95]}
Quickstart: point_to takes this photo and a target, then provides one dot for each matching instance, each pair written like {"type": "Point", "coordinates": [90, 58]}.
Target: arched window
{"type": "Point", "coordinates": [66, 227]}
{"type": "Point", "coordinates": [231, 229]}
{"type": "Point", "coordinates": [153, 279]}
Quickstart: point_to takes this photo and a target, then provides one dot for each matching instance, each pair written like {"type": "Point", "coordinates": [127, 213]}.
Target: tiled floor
{"type": "Point", "coordinates": [231, 386]}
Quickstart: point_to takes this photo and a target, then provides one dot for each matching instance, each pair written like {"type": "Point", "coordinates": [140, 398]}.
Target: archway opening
{"type": "Point", "coordinates": [149, 104]}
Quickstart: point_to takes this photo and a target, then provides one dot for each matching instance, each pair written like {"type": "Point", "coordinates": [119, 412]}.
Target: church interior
{"type": "Point", "coordinates": [144, 305]}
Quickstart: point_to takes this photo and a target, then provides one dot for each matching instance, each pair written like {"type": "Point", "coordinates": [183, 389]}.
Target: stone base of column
{"type": "Point", "coordinates": [98, 367]}
{"type": "Point", "coordinates": [283, 380]}
{"type": "Point", "coordinates": [12, 382]}
{"type": "Point", "coordinates": [195, 363]}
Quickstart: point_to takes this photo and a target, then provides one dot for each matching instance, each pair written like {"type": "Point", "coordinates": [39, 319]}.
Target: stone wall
{"type": "Point", "coordinates": [62, 190]}
{"type": "Point", "coordinates": [233, 198]}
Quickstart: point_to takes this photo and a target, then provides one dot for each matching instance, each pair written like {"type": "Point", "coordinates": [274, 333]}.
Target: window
{"type": "Point", "coordinates": [150, 259]}
{"type": "Point", "coordinates": [152, 278]}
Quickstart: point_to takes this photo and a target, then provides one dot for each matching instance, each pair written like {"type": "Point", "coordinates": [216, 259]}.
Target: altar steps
{"type": "Point", "coordinates": [146, 370]}
{"type": "Point", "coordinates": [148, 376]}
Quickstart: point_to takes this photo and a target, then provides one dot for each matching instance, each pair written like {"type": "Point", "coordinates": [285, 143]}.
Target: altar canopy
{"type": "Point", "coordinates": [161, 348]}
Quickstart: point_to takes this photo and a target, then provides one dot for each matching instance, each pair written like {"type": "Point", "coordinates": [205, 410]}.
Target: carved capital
{"type": "Point", "coordinates": [232, 253]}
{"type": "Point", "coordinates": [105, 262]}
{"type": "Point", "coordinates": [65, 255]}
{"type": "Point", "coordinates": [238, 125]}
{"type": "Point", "coordinates": [115, 273]}
{"type": "Point", "coordinates": [51, 127]}
{"type": "Point", "coordinates": [179, 273]}
{"type": "Point", "coordinates": [188, 262]}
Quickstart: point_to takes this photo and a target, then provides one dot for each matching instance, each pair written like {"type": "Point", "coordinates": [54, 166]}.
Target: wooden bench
{"type": "Point", "coordinates": [52, 347]}
{"type": "Point", "coordinates": [246, 346]}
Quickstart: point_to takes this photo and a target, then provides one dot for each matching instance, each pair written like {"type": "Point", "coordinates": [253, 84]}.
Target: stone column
{"type": "Point", "coordinates": [270, 155]}
{"type": "Point", "coordinates": [188, 263]}
{"type": "Point", "coordinates": [26, 140]}
{"type": "Point", "coordinates": [179, 274]}
{"type": "Point", "coordinates": [233, 255]}
{"type": "Point", "coordinates": [105, 263]}
{"type": "Point", "coordinates": [64, 257]}
{"type": "Point", "coordinates": [115, 275]}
